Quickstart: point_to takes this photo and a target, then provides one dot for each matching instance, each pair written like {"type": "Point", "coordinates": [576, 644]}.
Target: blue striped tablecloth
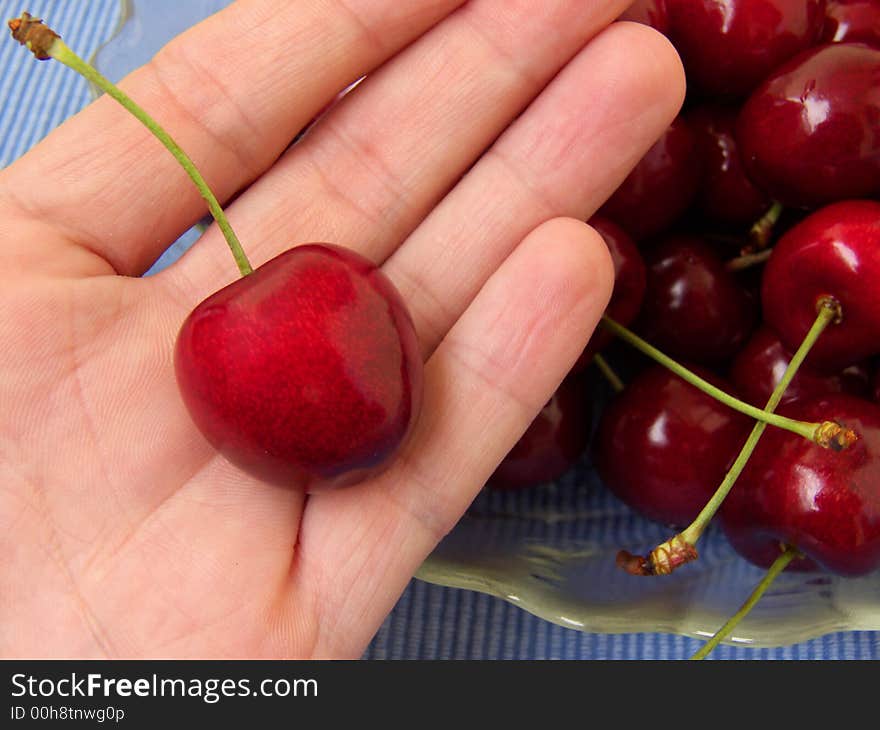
{"type": "Point", "coordinates": [428, 622]}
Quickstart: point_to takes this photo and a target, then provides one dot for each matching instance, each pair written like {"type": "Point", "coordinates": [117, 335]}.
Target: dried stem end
{"type": "Point", "coordinates": [672, 554]}
{"type": "Point", "coordinates": [835, 436]}
{"type": "Point", "coordinates": [33, 33]}
{"type": "Point", "coordinates": [828, 302]}
{"type": "Point", "coordinates": [662, 560]}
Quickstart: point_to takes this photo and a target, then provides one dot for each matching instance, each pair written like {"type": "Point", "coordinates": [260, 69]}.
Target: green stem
{"type": "Point", "coordinates": [780, 564]}
{"type": "Point", "coordinates": [829, 311]}
{"type": "Point", "coordinates": [61, 52]}
{"type": "Point", "coordinates": [681, 548]}
{"type": "Point", "coordinates": [613, 378]}
{"type": "Point", "coordinates": [762, 230]}
{"type": "Point", "coordinates": [748, 260]}
{"type": "Point", "coordinates": [802, 428]}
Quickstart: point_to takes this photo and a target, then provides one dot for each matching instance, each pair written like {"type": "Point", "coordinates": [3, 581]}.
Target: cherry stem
{"type": "Point", "coordinates": [807, 430]}
{"type": "Point", "coordinates": [829, 312]}
{"type": "Point", "coordinates": [748, 260]}
{"type": "Point", "coordinates": [681, 548]}
{"type": "Point", "coordinates": [45, 43]}
{"type": "Point", "coordinates": [762, 230]}
{"type": "Point", "coordinates": [780, 564]}
{"type": "Point", "coordinates": [612, 377]}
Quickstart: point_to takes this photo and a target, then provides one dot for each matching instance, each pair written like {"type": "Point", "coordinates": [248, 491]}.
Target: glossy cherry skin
{"type": "Point", "coordinates": [825, 503]}
{"type": "Point", "coordinates": [726, 194]}
{"type": "Point", "coordinates": [759, 366]}
{"type": "Point", "coordinates": [833, 252]}
{"type": "Point", "coordinates": [694, 308]}
{"type": "Point", "coordinates": [663, 446]}
{"type": "Point", "coordinates": [629, 285]}
{"type": "Point", "coordinates": [307, 372]}
{"type": "Point", "coordinates": [810, 134]}
{"type": "Point", "coordinates": [852, 21]}
{"type": "Point", "coordinates": [553, 443]}
{"type": "Point", "coordinates": [648, 12]}
{"type": "Point", "coordinates": [660, 187]}
{"type": "Point", "coordinates": [728, 47]}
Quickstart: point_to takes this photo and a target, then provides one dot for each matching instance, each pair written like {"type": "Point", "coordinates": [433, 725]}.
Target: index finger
{"type": "Point", "coordinates": [233, 91]}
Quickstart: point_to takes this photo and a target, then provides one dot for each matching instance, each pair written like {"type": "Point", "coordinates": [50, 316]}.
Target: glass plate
{"type": "Point", "coordinates": [551, 550]}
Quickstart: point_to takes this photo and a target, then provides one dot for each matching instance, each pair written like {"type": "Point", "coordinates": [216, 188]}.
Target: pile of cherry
{"type": "Point", "coordinates": [758, 204]}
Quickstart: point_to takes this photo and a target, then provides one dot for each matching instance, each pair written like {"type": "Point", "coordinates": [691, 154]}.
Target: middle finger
{"type": "Point", "coordinates": [562, 157]}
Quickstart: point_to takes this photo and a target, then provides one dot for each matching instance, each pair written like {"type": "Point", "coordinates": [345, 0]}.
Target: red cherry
{"type": "Point", "coordinates": [852, 21]}
{"type": "Point", "coordinates": [726, 195]}
{"type": "Point", "coordinates": [663, 446]}
{"type": "Point", "coordinates": [552, 444]}
{"type": "Point", "coordinates": [823, 502]}
{"type": "Point", "coordinates": [833, 252]}
{"type": "Point", "coordinates": [306, 372]}
{"type": "Point", "coordinates": [810, 134]}
{"type": "Point", "coordinates": [648, 12]}
{"type": "Point", "coordinates": [694, 308]}
{"type": "Point", "coordinates": [759, 366]}
{"type": "Point", "coordinates": [660, 187]}
{"type": "Point", "coordinates": [729, 46]}
{"type": "Point", "coordinates": [629, 285]}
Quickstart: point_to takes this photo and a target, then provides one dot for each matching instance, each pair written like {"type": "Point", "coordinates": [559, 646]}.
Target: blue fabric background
{"type": "Point", "coordinates": [428, 622]}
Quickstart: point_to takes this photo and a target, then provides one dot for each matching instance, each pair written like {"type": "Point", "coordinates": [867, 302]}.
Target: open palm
{"type": "Point", "coordinates": [465, 163]}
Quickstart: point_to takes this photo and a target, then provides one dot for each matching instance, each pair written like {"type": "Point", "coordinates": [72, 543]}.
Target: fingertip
{"type": "Point", "coordinates": [662, 61]}
{"type": "Point", "coordinates": [579, 250]}
{"type": "Point", "coordinates": [566, 269]}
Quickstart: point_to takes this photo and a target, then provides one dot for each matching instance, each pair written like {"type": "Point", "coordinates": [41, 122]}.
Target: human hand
{"type": "Point", "coordinates": [465, 163]}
